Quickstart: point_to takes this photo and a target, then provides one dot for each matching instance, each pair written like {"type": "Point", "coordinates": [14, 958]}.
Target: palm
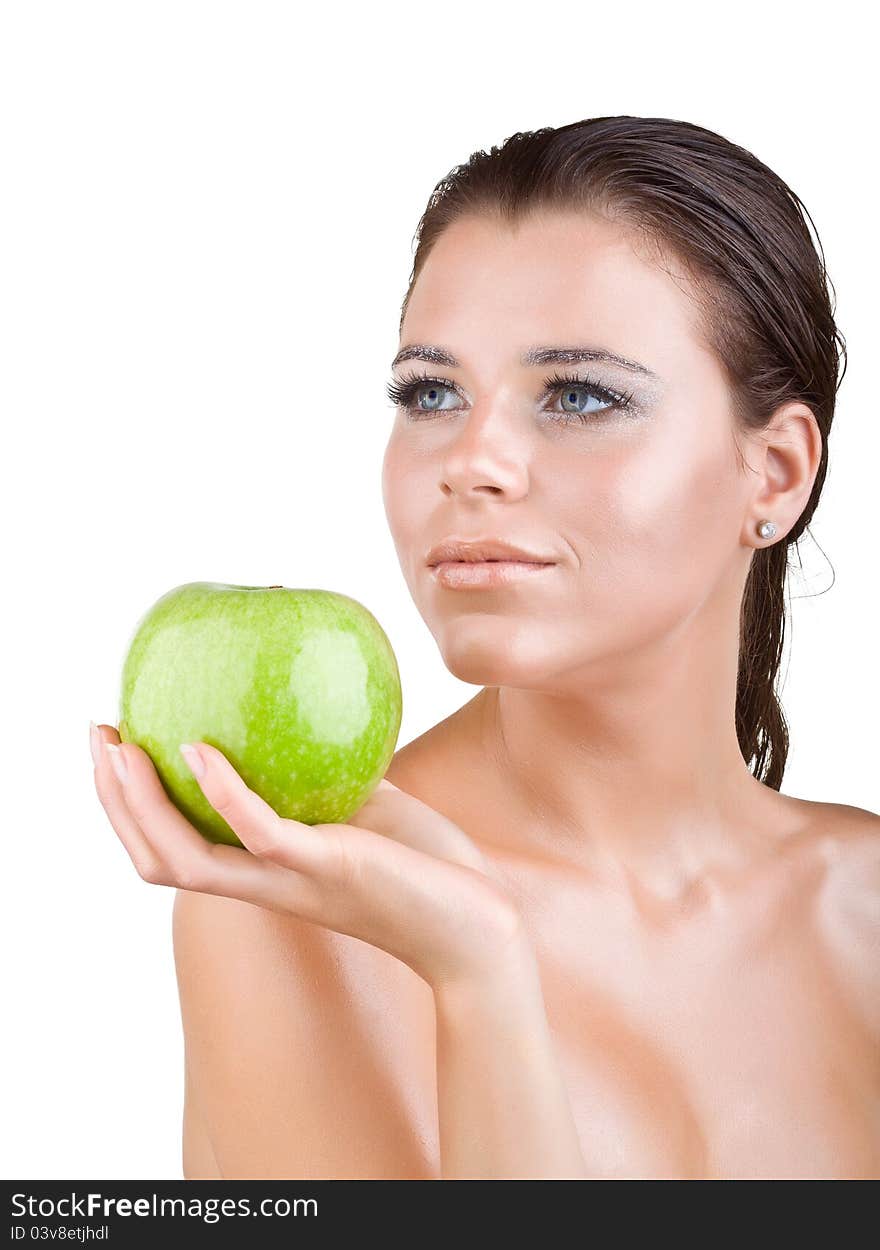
{"type": "Point", "coordinates": [399, 875]}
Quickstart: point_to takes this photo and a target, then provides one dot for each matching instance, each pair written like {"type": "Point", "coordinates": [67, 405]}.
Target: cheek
{"type": "Point", "coordinates": [406, 497]}
{"type": "Point", "coordinates": [655, 524]}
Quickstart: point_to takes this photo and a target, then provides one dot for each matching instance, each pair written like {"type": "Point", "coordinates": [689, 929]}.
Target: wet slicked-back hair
{"type": "Point", "coordinates": [740, 235]}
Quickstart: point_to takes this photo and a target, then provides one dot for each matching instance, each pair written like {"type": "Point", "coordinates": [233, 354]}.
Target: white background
{"type": "Point", "coordinates": [208, 213]}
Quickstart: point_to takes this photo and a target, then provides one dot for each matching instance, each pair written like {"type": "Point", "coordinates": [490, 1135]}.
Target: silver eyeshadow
{"type": "Point", "coordinates": [533, 356]}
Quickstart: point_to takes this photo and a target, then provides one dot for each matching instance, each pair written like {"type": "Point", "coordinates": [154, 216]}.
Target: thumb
{"type": "Point", "coordinates": [400, 815]}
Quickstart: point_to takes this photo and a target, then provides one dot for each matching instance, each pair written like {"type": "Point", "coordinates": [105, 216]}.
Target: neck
{"type": "Point", "coordinates": [635, 771]}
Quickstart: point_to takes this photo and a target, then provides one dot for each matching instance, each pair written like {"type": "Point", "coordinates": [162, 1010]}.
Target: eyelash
{"type": "Point", "coordinates": [402, 393]}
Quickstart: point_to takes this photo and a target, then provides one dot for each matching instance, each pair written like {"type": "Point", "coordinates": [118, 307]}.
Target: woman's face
{"type": "Point", "coordinates": [642, 508]}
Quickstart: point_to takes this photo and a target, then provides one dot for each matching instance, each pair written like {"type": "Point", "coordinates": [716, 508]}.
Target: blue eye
{"type": "Point", "coordinates": [403, 394]}
{"type": "Point", "coordinates": [579, 394]}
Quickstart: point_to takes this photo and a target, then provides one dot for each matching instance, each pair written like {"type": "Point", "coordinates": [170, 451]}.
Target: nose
{"type": "Point", "coordinates": [487, 458]}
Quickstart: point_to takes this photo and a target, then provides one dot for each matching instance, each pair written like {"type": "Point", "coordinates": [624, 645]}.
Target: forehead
{"type": "Point", "coordinates": [489, 289]}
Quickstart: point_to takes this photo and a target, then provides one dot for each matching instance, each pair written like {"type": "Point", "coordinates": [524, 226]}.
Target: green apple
{"type": "Point", "coordinates": [299, 689]}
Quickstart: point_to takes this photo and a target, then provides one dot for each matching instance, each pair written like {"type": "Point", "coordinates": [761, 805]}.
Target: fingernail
{"type": "Point", "coordinates": [95, 742]}
{"type": "Point", "coordinates": [193, 757]}
{"type": "Point", "coordinates": [117, 761]}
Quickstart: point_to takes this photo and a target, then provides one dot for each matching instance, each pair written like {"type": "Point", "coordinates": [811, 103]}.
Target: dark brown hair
{"type": "Point", "coordinates": [739, 234]}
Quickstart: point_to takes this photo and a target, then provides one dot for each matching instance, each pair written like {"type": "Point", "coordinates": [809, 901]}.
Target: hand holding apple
{"type": "Point", "coordinates": [298, 688]}
{"type": "Point", "coordinates": [405, 878]}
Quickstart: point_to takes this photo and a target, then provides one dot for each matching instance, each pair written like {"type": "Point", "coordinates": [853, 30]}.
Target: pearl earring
{"type": "Point", "coordinates": [766, 529]}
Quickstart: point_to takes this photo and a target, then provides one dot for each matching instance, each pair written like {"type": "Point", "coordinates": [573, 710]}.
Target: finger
{"type": "Point", "coordinates": [168, 850]}
{"type": "Point", "coordinates": [187, 859]}
{"type": "Point", "coordinates": [402, 816]}
{"type": "Point", "coordinates": [113, 801]}
{"type": "Point", "coordinates": [155, 848]}
{"type": "Point", "coordinates": [304, 848]}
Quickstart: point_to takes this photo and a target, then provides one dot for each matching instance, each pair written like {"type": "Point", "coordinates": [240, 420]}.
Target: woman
{"type": "Point", "coordinates": [582, 933]}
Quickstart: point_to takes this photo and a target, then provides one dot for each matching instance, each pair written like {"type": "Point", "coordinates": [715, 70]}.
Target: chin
{"type": "Point", "coordinates": [514, 660]}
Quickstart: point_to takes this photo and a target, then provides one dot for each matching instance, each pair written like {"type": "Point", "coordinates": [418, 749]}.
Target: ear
{"type": "Point", "coordinates": [784, 458]}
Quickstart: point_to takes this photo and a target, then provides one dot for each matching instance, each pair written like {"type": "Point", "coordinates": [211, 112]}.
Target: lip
{"type": "Point", "coordinates": [479, 550]}
{"type": "Point", "coordinates": [485, 574]}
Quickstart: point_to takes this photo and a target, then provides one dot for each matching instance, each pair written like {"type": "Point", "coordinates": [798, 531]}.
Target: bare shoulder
{"type": "Point", "coordinates": [306, 1050]}
{"type": "Point", "coordinates": [850, 841]}
{"type": "Point", "coordinates": [447, 738]}
{"type": "Point", "coordinates": [440, 765]}
{"type": "Point", "coordinates": [849, 901]}
{"type": "Point", "coordinates": [847, 842]}
{"type": "Point", "coordinates": [414, 765]}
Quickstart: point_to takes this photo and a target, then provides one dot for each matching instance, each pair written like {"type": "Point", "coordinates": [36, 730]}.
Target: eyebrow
{"type": "Point", "coordinates": [534, 356]}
